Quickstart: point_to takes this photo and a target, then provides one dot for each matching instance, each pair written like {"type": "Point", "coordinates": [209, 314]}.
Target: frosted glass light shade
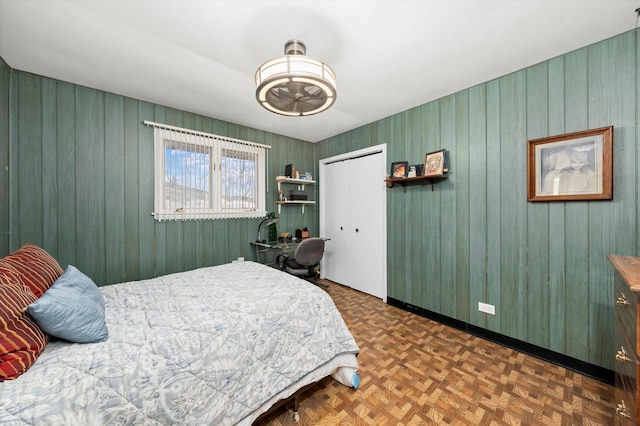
{"type": "Point", "coordinates": [295, 84]}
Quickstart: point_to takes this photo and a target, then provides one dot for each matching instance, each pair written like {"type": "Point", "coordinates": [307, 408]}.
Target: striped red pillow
{"type": "Point", "coordinates": [37, 269]}
{"type": "Point", "coordinates": [21, 340]}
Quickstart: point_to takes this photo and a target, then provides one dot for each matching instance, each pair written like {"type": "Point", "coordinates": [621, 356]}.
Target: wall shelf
{"type": "Point", "coordinates": [297, 202]}
{"type": "Point", "coordinates": [418, 180]}
{"type": "Point", "coordinates": [283, 180]}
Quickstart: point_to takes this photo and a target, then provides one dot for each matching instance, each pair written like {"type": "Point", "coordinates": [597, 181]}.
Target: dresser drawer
{"type": "Point", "coordinates": [626, 290]}
{"type": "Point", "coordinates": [626, 367]}
{"type": "Point", "coordinates": [625, 364]}
{"type": "Point", "coordinates": [625, 407]}
{"type": "Point", "coordinates": [626, 311]}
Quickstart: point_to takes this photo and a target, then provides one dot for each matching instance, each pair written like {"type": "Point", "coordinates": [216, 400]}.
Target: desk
{"type": "Point", "coordinates": [268, 251]}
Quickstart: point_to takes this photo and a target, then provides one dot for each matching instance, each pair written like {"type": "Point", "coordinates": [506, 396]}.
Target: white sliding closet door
{"type": "Point", "coordinates": [337, 199]}
{"type": "Point", "coordinates": [353, 215]}
{"type": "Point", "coordinates": [368, 251]}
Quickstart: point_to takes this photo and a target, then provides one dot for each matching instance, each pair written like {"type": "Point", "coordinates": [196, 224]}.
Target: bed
{"type": "Point", "coordinates": [214, 346]}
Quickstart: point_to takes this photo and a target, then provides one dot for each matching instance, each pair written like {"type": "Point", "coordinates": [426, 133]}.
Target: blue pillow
{"type": "Point", "coordinates": [72, 309]}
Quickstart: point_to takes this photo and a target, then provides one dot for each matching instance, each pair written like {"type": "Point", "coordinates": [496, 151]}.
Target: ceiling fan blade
{"type": "Point", "coordinates": [295, 96]}
{"type": "Point", "coordinates": [313, 102]}
{"type": "Point", "coordinates": [284, 104]}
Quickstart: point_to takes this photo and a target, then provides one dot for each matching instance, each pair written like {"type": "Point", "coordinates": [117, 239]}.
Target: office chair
{"type": "Point", "coordinates": [306, 259]}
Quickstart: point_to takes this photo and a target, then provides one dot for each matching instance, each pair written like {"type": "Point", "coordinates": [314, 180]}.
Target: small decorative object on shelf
{"type": "Point", "coordinates": [399, 169]}
{"type": "Point", "coordinates": [285, 237]}
{"type": "Point", "coordinates": [434, 163]}
{"type": "Point", "coordinates": [434, 170]}
{"type": "Point", "coordinates": [302, 233]}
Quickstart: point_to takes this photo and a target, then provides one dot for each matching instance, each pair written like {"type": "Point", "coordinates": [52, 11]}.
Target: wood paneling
{"type": "Point", "coordinates": [537, 214]}
{"type": "Point", "coordinates": [65, 140]}
{"type": "Point", "coordinates": [462, 199]}
{"type": "Point", "coordinates": [576, 218]}
{"type": "Point", "coordinates": [5, 90]}
{"type": "Point", "coordinates": [558, 303]}
{"type": "Point", "coordinates": [414, 206]}
{"type": "Point", "coordinates": [146, 224]}
{"type": "Point", "coordinates": [430, 232]}
{"type": "Point", "coordinates": [477, 192]}
{"type": "Point", "coordinates": [49, 168]}
{"type": "Point", "coordinates": [494, 210]}
{"type": "Point", "coordinates": [477, 239]}
{"type": "Point", "coordinates": [78, 180]}
{"type": "Point", "coordinates": [90, 171]}
{"type": "Point", "coordinates": [513, 220]}
{"type": "Point", "coordinates": [114, 189]}
{"type": "Point", "coordinates": [131, 195]}
{"type": "Point", "coordinates": [28, 168]}
{"type": "Point", "coordinates": [447, 211]}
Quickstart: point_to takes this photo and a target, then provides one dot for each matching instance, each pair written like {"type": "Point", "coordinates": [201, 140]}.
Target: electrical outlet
{"type": "Point", "coordinates": [486, 308]}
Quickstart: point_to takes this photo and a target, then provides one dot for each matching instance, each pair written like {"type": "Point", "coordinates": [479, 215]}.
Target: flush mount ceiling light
{"type": "Point", "coordinates": [295, 84]}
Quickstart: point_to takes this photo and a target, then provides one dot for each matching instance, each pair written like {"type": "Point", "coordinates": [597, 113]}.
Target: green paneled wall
{"type": "Point", "coordinates": [475, 238]}
{"type": "Point", "coordinates": [5, 85]}
{"type": "Point", "coordinates": [77, 179]}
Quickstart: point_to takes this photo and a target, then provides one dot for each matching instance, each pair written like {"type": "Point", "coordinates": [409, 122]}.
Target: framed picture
{"type": "Point", "coordinates": [434, 163]}
{"type": "Point", "coordinates": [419, 169]}
{"type": "Point", "coordinates": [574, 166]}
{"type": "Point", "coordinates": [399, 169]}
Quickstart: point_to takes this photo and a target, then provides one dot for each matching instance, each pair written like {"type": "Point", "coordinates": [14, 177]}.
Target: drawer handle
{"type": "Point", "coordinates": [622, 411]}
{"type": "Point", "coordinates": [622, 300]}
{"type": "Point", "coordinates": [622, 355]}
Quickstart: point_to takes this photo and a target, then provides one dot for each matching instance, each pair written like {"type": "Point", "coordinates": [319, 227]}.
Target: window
{"type": "Point", "coordinates": [204, 176]}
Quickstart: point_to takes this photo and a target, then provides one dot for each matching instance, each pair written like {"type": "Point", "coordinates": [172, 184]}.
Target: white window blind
{"type": "Point", "coordinates": [199, 175]}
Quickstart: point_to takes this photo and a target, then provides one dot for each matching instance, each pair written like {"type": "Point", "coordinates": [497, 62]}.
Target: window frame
{"type": "Point", "coordinates": [217, 145]}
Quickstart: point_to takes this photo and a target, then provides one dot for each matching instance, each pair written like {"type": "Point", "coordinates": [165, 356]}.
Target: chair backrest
{"type": "Point", "coordinates": [309, 252]}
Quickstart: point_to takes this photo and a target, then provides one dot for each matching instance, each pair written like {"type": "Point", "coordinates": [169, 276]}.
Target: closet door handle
{"type": "Point", "coordinates": [357, 230]}
{"type": "Point", "coordinates": [341, 228]}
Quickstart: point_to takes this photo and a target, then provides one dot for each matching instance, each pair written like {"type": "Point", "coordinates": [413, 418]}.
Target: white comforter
{"type": "Point", "coordinates": [213, 346]}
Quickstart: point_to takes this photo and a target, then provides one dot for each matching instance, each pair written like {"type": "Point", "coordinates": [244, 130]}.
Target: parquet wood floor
{"type": "Point", "coordinates": [415, 371]}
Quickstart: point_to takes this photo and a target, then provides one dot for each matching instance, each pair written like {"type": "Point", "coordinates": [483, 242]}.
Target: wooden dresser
{"type": "Point", "coordinates": [626, 287]}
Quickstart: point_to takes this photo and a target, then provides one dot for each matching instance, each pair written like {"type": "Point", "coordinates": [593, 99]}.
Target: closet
{"type": "Point", "coordinates": [353, 217]}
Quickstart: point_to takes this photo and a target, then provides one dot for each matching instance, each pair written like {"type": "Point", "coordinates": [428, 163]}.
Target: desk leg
{"type": "Point", "coordinates": [263, 255]}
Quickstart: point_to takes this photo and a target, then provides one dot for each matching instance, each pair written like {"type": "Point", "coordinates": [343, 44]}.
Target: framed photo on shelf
{"type": "Point", "coordinates": [419, 169]}
{"type": "Point", "coordinates": [571, 167]}
{"type": "Point", "coordinates": [434, 163]}
{"type": "Point", "coordinates": [399, 169]}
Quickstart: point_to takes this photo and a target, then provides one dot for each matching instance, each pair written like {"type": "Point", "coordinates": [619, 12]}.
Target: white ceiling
{"type": "Point", "coordinates": [389, 56]}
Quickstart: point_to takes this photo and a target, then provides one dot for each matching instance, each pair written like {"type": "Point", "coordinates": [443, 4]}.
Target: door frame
{"type": "Point", "coordinates": [382, 149]}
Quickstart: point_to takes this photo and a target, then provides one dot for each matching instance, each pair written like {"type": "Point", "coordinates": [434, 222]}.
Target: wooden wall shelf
{"type": "Point", "coordinates": [418, 180]}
